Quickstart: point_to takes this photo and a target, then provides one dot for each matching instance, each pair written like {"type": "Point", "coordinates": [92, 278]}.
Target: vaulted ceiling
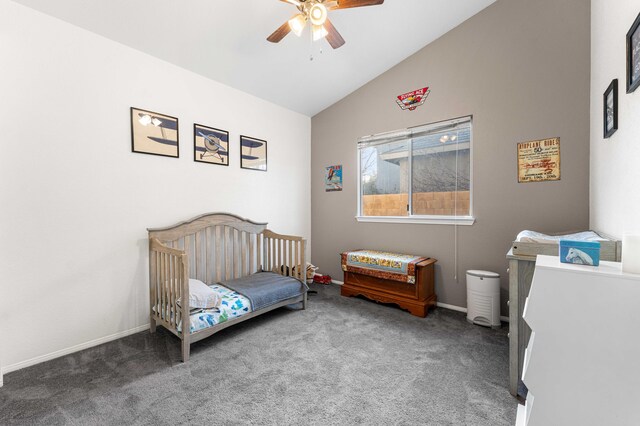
{"type": "Point", "coordinates": [225, 40]}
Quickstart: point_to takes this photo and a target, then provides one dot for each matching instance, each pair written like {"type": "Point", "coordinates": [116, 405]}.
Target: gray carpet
{"type": "Point", "coordinates": [342, 361]}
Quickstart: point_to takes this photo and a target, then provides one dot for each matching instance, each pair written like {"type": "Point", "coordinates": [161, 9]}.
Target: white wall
{"type": "Point", "coordinates": [76, 201]}
{"type": "Point", "coordinates": [614, 197]}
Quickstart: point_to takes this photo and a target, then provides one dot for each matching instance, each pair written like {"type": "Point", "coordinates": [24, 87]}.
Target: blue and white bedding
{"type": "Point", "coordinates": [232, 305]}
{"type": "Point", "coordinates": [243, 295]}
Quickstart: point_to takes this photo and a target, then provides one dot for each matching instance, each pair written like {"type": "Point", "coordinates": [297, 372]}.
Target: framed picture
{"type": "Point", "coordinates": [539, 160]}
{"type": "Point", "coordinates": [333, 178]}
{"type": "Point", "coordinates": [253, 153]}
{"type": "Point", "coordinates": [210, 145]}
{"type": "Point", "coordinates": [633, 56]}
{"type": "Point", "coordinates": [154, 133]}
{"type": "Point", "coordinates": [610, 109]}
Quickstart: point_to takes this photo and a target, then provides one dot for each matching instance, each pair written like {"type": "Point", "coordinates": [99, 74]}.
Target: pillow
{"type": "Point", "coordinates": [201, 296]}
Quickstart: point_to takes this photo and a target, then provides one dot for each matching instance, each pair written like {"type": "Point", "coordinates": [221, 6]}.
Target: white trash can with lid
{"type": "Point", "coordinates": [483, 298]}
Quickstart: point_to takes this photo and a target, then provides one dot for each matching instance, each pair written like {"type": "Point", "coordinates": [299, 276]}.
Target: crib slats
{"type": "Point", "coordinates": [197, 255]}
{"type": "Point", "coordinates": [163, 284]}
{"type": "Point", "coordinates": [166, 287]}
{"type": "Point", "coordinates": [237, 245]}
{"type": "Point", "coordinates": [279, 262]}
{"type": "Point", "coordinates": [159, 284]}
{"type": "Point", "coordinates": [272, 254]}
{"type": "Point", "coordinates": [289, 258]}
{"type": "Point", "coordinates": [259, 253]}
{"type": "Point", "coordinates": [244, 253]}
{"type": "Point", "coordinates": [296, 255]}
{"type": "Point", "coordinates": [188, 249]}
{"type": "Point", "coordinates": [252, 247]}
{"type": "Point", "coordinates": [152, 287]}
{"type": "Point", "coordinates": [160, 281]}
{"type": "Point", "coordinates": [176, 289]}
{"type": "Point", "coordinates": [228, 254]}
{"type": "Point", "coordinates": [172, 284]}
{"type": "Point", "coordinates": [208, 257]}
{"type": "Point", "coordinates": [274, 243]}
{"type": "Point", "coordinates": [267, 254]}
{"type": "Point", "coordinates": [302, 262]}
{"type": "Point", "coordinates": [218, 253]}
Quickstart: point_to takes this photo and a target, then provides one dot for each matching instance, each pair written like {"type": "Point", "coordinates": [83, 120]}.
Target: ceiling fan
{"type": "Point", "coordinates": [316, 11]}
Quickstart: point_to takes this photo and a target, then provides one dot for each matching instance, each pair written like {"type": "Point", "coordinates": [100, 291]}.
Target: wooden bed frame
{"type": "Point", "coordinates": [214, 247]}
{"type": "Point", "coordinates": [416, 298]}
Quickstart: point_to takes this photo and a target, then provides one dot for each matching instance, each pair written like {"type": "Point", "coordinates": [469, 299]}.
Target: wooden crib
{"type": "Point", "coordinates": [211, 248]}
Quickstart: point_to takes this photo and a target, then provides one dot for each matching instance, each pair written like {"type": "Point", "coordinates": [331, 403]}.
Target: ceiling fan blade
{"type": "Point", "coordinates": [280, 33]}
{"type": "Point", "coordinates": [345, 4]}
{"type": "Point", "coordinates": [293, 2]}
{"type": "Point", "coordinates": [334, 38]}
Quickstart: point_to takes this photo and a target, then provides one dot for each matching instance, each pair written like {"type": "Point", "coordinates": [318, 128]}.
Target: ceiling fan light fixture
{"type": "Point", "coordinates": [297, 24]}
{"type": "Point", "coordinates": [319, 32]}
{"type": "Point", "coordinates": [318, 14]}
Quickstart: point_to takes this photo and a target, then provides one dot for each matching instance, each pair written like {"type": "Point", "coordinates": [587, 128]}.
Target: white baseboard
{"type": "Point", "coordinates": [452, 307]}
{"type": "Point", "coordinates": [461, 309]}
{"type": "Point", "coordinates": [72, 349]}
{"type": "Point", "coordinates": [336, 282]}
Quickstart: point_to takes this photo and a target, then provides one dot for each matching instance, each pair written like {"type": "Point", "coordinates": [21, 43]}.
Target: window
{"type": "Point", "coordinates": [421, 174]}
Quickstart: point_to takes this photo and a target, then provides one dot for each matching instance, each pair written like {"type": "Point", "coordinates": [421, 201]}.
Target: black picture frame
{"type": "Point", "coordinates": [633, 56]}
{"type": "Point", "coordinates": [205, 141]}
{"type": "Point", "coordinates": [610, 109]}
{"type": "Point", "coordinates": [253, 153]}
{"type": "Point", "coordinates": [152, 138]}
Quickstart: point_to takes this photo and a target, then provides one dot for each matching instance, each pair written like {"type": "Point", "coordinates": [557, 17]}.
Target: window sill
{"type": "Point", "coordinates": [425, 220]}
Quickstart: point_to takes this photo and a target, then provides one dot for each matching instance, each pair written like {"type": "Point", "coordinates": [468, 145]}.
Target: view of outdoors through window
{"type": "Point", "coordinates": [431, 167]}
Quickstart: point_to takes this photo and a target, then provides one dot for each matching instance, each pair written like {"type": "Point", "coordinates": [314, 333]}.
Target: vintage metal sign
{"type": "Point", "coordinates": [539, 160]}
{"type": "Point", "coordinates": [413, 100]}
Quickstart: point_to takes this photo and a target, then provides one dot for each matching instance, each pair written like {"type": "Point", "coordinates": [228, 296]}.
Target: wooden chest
{"type": "Point", "coordinates": [415, 298]}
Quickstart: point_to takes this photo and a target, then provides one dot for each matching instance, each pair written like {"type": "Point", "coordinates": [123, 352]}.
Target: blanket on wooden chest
{"type": "Point", "coordinates": [380, 264]}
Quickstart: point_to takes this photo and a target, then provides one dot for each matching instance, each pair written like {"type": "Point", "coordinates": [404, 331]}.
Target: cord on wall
{"type": "Point", "coordinates": [455, 214]}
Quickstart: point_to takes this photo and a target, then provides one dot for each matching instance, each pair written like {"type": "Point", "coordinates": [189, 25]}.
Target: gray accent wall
{"type": "Point", "coordinates": [522, 69]}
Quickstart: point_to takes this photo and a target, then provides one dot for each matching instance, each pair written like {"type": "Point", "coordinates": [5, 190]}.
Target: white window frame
{"type": "Point", "coordinates": [417, 219]}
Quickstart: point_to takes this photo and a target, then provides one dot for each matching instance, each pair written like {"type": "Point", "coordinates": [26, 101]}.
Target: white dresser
{"type": "Point", "coordinates": [582, 363]}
